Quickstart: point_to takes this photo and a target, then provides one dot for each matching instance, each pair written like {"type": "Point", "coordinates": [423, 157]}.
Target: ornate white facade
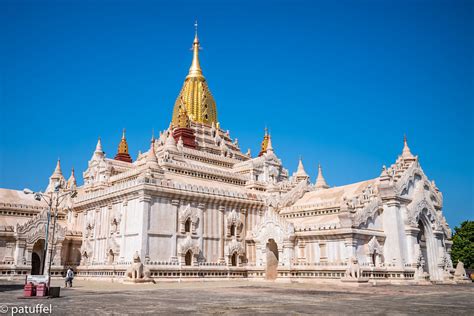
{"type": "Point", "coordinates": [195, 206]}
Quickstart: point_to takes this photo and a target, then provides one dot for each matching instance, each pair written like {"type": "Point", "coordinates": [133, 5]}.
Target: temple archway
{"type": "Point", "coordinates": [272, 260]}
{"type": "Point", "coordinates": [187, 226]}
{"type": "Point", "coordinates": [234, 259]}
{"type": "Point", "coordinates": [425, 243]}
{"type": "Point", "coordinates": [428, 246]}
{"type": "Point", "coordinates": [188, 258]}
{"type": "Point", "coordinates": [37, 257]}
{"type": "Point", "coordinates": [35, 264]}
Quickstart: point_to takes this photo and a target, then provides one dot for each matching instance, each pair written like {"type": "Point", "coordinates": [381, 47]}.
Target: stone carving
{"type": "Point", "coordinates": [115, 222]}
{"type": "Point", "coordinates": [35, 229]}
{"type": "Point", "coordinates": [294, 194]}
{"type": "Point", "coordinates": [460, 275]}
{"type": "Point", "coordinates": [420, 263]}
{"type": "Point", "coordinates": [189, 244]}
{"type": "Point", "coordinates": [370, 209]}
{"type": "Point", "coordinates": [188, 213]}
{"type": "Point", "coordinates": [234, 219]}
{"type": "Point", "coordinates": [235, 247]}
{"type": "Point", "coordinates": [137, 272]}
{"type": "Point", "coordinates": [353, 270]}
{"type": "Point", "coordinates": [374, 249]}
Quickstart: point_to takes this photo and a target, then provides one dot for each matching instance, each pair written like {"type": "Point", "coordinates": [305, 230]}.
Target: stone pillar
{"type": "Point", "coordinates": [243, 234]}
{"type": "Point", "coordinates": [222, 237]}
{"type": "Point", "coordinates": [394, 230]}
{"type": "Point", "coordinates": [174, 238]}
{"type": "Point", "coordinates": [438, 254]}
{"type": "Point", "coordinates": [123, 230]}
{"type": "Point", "coordinates": [20, 252]}
{"type": "Point", "coordinates": [144, 205]}
{"type": "Point", "coordinates": [301, 248]}
{"type": "Point", "coordinates": [29, 254]}
{"type": "Point", "coordinates": [351, 248]}
{"type": "Point", "coordinates": [201, 209]}
{"type": "Point", "coordinates": [58, 248]}
{"type": "Point", "coordinates": [411, 234]}
{"type": "Point", "coordinates": [9, 251]}
{"type": "Point", "coordinates": [288, 247]}
{"type": "Point", "coordinates": [47, 260]}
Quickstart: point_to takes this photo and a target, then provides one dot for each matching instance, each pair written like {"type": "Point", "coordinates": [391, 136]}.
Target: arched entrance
{"type": "Point", "coordinates": [428, 247]}
{"type": "Point", "coordinates": [234, 259]}
{"type": "Point", "coordinates": [35, 264]}
{"type": "Point", "coordinates": [188, 258]}
{"type": "Point", "coordinates": [37, 257]}
{"type": "Point", "coordinates": [421, 239]}
{"type": "Point", "coordinates": [271, 272]}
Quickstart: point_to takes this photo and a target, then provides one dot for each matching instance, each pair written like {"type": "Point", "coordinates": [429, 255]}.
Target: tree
{"type": "Point", "coordinates": [463, 244]}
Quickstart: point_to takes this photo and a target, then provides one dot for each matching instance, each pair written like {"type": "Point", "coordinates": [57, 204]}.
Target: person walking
{"type": "Point", "coordinates": [69, 277]}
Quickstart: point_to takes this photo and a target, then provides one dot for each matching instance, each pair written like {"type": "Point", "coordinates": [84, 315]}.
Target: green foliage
{"type": "Point", "coordinates": [463, 244]}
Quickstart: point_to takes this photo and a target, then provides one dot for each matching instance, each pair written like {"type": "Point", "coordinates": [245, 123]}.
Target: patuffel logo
{"type": "Point", "coordinates": [26, 309]}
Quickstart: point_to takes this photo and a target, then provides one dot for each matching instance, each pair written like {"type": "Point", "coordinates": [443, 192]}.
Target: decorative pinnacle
{"type": "Point", "coordinates": [406, 153]}
{"type": "Point", "coordinates": [195, 69]}
{"type": "Point", "coordinates": [123, 133]}
{"type": "Point", "coordinates": [57, 171]}
{"type": "Point", "coordinates": [196, 29]}
{"type": "Point", "coordinates": [98, 147]}
{"type": "Point", "coordinates": [320, 181]}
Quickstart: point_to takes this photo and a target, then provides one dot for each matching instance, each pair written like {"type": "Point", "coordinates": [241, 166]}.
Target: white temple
{"type": "Point", "coordinates": [194, 206]}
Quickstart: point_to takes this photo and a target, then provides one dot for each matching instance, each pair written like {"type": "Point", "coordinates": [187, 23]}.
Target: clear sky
{"type": "Point", "coordinates": [337, 82]}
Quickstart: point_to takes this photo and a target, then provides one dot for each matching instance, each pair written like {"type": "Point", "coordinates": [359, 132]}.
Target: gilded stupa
{"type": "Point", "coordinates": [195, 96]}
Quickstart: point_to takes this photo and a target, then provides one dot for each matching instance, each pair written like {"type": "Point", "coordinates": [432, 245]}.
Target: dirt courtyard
{"type": "Point", "coordinates": [245, 298]}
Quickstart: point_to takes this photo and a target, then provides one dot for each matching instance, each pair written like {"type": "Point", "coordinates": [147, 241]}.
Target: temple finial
{"type": "Point", "coordinates": [406, 153]}
{"type": "Point", "coordinates": [195, 69]}
{"type": "Point", "coordinates": [320, 181]}
{"type": "Point", "coordinates": [122, 152]}
{"type": "Point", "coordinates": [196, 29]}
{"type": "Point", "coordinates": [300, 173]}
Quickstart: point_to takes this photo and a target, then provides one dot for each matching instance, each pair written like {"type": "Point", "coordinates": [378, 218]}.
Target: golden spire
{"type": "Point", "coordinates": [195, 69]}
{"type": "Point", "coordinates": [263, 148]}
{"type": "Point", "coordinates": [195, 95]}
{"type": "Point", "coordinates": [122, 152]}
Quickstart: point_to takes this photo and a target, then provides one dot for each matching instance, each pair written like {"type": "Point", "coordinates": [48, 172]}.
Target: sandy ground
{"type": "Point", "coordinates": [244, 298]}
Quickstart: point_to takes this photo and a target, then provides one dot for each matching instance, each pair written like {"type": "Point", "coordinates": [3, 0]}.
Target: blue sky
{"type": "Point", "coordinates": [337, 82]}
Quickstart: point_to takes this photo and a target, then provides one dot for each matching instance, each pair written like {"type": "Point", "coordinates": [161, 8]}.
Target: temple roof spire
{"type": "Point", "coordinates": [269, 145]}
{"type": "Point", "coordinates": [98, 147]}
{"type": "Point", "coordinates": [57, 171]}
{"type": "Point", "coordinates": [300, 173]}
{"type": "Point", "coordinates": [264, 145]}
{"type": "Point", "coordinates": [195, 95]}
{"type": "Point", "coordinates": [406, 153]}
{"type": "Point", "coordinates": [122, 152]}
{"type": "Point", "coordinates": [195, 69]}
{"type": "Point", "coordinates": [320, 181]}
{"type": "Point", "coordinates": [151, 155]}
{"type": "Point", "coordinates": [71, 182]}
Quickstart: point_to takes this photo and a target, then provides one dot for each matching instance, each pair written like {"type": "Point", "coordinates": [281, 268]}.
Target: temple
{"type": "Point", "coordinates": [194, 206]}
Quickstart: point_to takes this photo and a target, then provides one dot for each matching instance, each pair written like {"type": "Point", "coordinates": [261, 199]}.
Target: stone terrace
{"type": "Point", "coordinates": [249, 298]}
